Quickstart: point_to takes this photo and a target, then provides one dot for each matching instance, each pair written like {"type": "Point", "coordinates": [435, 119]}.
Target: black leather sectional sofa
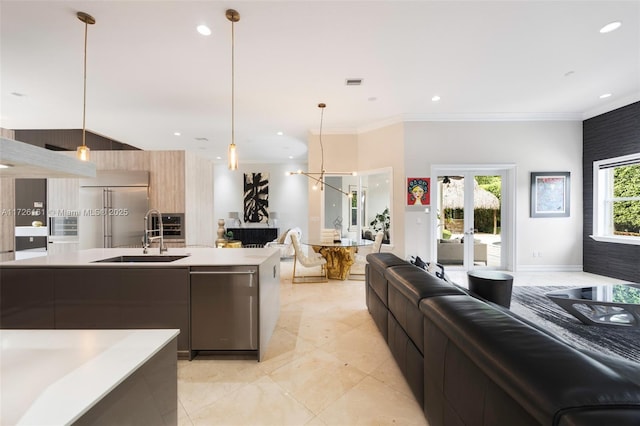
{"type": "Point", "coordinates": [472, 362]}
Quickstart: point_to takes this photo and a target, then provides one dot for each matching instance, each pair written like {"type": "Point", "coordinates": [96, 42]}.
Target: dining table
{"type": "Point", "coordinates": [340, 254]}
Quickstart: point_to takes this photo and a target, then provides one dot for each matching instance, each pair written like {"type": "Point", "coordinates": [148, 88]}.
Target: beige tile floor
{"type": "Point", "coordinates": [326, 364]}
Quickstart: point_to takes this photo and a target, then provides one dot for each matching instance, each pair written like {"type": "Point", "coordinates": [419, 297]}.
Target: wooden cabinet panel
{"type": "Point", "coordinates": [167, 181]}
{"type": "Point", "coordinates": [121, 160]}
{"type": "Point", "coordinates": [7, 215]}
{"type": "Point", "coordinates": [26, 298]}
{"type": "Point", "coordinates": [63, 196]}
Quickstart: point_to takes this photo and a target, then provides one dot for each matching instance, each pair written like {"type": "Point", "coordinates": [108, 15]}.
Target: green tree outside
{"type": "Point", "coordinates": [626, 214]}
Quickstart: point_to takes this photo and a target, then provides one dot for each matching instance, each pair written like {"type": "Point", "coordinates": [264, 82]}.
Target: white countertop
{"type": "Point", "coordinates": [31, 231]}
{"type": "Point", "coordinates": [52, 377]}
{"type": "Point", "coordinates": [197, 257]}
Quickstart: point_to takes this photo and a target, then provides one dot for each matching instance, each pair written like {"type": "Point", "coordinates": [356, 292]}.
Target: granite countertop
{"type": "Point", "coordinates": [196, 257]}
{"type": "Point", "coordinates": [55, 376]}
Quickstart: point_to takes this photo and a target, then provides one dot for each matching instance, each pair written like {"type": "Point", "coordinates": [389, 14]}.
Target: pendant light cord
{"type": "Point", "coordinates": [84, 95]}
{"type": "Point", "coordinates": [233, 85]}
{"type": "Point", "coordinates": [321, 147]}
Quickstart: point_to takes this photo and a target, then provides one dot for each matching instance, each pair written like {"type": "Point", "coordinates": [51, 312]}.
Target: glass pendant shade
{"type": "Point", "coordinates": [83, 153]}
{"type": "Point", "coordinates": [233, 157]}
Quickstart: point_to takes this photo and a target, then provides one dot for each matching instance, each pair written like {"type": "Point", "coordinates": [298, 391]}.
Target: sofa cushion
{"type": "Point", "coordinates": [408, 284]}
{"type": "Point", "coordinates": [378, 263]}
{"type": "Point", "coordinates": [416, 284]}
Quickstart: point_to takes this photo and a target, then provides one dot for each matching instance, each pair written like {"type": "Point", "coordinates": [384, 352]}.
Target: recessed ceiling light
{"type": "Point", "coordinates": [612, 26]}
{"type": "Point", "coordinates": [218, 158]}
{"type": "Point", "coordinates": [291, 157]}
{"type": "Point", "coordinates": [435, 98]}
{"type": "Point", "coordinates": [605, 95]}
{"type": "Point", "coordinates": [176, 133]}
{"type": "Point", "coordinates": [5, 166]}
{"type": "Point", "coordinates": [280, 133]}
{"type": "Point", "coordinates": [204, 30]}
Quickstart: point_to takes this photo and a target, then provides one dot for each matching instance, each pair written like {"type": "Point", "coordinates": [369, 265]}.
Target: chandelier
{"type": "Point", "coordinates": [319, 177]}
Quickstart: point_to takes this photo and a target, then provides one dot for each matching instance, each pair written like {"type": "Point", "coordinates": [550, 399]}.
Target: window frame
{"type": "Point", "coordinates": [602, 196]}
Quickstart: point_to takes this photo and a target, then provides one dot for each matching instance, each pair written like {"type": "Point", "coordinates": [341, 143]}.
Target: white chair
{"type": "Point", "coordinates": [284, 243]}
{"type": "Point", "coordinates": [358, 268]}
{"type": "Point", "coordinates": [313, 261]}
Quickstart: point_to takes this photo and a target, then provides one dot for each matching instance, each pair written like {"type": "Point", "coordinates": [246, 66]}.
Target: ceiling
{"type": "Point", "coordinates": [150, 74]}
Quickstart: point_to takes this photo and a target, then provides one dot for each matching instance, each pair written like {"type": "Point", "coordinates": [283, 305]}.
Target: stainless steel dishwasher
{"type": "Point", "coordinates": [224, 308]}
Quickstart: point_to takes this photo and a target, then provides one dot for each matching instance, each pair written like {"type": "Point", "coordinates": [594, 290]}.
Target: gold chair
{"type": "Point", "coordinates": [308, 262]}
{"type": "Point", "coordinates": [358, 268]}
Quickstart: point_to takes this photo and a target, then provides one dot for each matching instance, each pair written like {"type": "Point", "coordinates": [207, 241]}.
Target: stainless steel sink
{"type": "Point", "coordinates": [142, 259]}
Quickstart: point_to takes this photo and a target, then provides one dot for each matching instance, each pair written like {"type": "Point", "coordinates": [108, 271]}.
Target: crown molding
{"type": "Point", "coordinates": [499, 116]}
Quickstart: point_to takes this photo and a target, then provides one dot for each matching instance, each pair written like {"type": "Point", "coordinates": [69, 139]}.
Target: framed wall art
{"type": "Point", "coordinates": [256, 197]}
{"type": "Point", "coordinates": [418, 191]}
{"type": "Point", "coordinates": [550, 194]}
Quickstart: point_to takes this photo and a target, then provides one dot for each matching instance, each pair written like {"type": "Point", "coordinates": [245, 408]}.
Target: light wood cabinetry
{"type": "Point", "coordinates": [7, 218]}
{"type": "Point", "coordinates": [166, 174]}
{"type": "Point", "coordinates": [7, 209]}
{"type": "Point", "coordinates": [179, 182]}
{"type": "Point", "coordinates": [200, 224]}
{"type": "Point", "coordinates": [63, 196]}
{"type": "Point", "coordinates": [167, 185]}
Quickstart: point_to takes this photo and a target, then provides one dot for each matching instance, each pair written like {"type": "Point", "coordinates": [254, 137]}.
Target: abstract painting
{"type": "Point", "coordinates": [256, 197]}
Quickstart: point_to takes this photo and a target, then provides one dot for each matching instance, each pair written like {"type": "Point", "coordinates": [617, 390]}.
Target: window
{"type": "Point", "coordinates": [616, 200]}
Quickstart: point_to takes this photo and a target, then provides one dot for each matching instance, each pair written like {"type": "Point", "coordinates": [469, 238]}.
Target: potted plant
{"type": "Point", "coordinates": [382, 222]}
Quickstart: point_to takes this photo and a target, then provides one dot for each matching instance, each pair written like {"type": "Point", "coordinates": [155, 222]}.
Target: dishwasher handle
{"type": "Point", "coordinates": [222, 272]}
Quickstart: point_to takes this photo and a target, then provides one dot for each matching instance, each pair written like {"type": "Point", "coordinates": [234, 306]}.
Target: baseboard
{"type": "Point", "coordinates": [549, 268]}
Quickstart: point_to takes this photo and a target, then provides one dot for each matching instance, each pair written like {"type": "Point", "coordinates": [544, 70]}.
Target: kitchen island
{"type": "Point", "coordinates": [226, 301]}
{"type": "Point", "coordinates": [60, 377]}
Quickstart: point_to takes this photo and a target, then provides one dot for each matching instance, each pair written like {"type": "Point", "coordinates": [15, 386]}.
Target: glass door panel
{"type": "Point", "coordinates": [469, 220]}
{"type": "Point", "coordinates": [486, 221]}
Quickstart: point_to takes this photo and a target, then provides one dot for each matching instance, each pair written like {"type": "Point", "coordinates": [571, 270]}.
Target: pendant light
{"type": "Point", "coordinates": [234, 17]}
{"type": "Point", "coordinates": [320, 182]}
{"type": "Point", "coordinates": [83, 151]}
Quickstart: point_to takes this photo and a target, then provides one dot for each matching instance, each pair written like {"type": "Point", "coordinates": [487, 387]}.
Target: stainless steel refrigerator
{"type": "Point", "coordinates": [112, 209]}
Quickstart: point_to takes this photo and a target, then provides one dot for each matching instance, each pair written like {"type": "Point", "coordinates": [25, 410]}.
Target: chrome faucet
{"type": "Point", "coordinates": [147, 238]}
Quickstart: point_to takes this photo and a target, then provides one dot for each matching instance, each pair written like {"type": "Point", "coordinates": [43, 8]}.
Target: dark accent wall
{"type": "Point", "coordinates": [608, 135]}
{"type": "Point", "coordinates": [69, 140]}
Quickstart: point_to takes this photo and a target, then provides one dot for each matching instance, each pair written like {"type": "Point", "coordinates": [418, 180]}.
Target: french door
{"type": "Point", "coordinates": [474, 221]}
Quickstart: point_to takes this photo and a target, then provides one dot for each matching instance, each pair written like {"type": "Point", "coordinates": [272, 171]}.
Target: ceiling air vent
{"type": "Point", "coordinates": [353, 81]}
{"type": "Point", "coordinates": [202, 139]}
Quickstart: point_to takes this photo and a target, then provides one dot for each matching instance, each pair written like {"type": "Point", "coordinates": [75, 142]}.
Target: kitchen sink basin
{"type": "Point", "coordinates": [142, 259]}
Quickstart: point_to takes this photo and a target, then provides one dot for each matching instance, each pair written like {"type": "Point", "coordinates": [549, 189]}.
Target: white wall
{"type": "Point", "coordinates": [411, 149]}
{"type": "Point", "coordinates": [287, 194]}
{"type": "Point", "coordinates": [532, 146]}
